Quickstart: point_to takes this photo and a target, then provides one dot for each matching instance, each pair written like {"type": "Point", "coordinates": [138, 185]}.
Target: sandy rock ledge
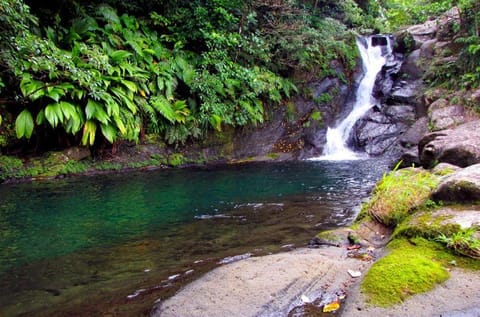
{"type": "Point", "coordinates": [271, 285]}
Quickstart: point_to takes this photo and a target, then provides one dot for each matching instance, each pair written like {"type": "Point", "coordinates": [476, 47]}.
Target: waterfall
{"type": "Point", "coordinates": [374, 55]}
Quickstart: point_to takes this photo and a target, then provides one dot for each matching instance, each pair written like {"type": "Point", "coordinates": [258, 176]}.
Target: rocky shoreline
{"type": "Point", "coordinates": [329, 274]}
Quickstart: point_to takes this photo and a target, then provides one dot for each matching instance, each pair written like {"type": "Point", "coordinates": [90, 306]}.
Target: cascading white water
{"type": "Point", "coordinates": [373, 59]}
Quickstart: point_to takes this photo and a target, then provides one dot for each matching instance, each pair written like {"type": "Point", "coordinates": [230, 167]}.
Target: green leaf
{"type": "Point", "coordinates": [216, 122]}
{"type": "Point", "coordinates": [0, 119]}
{"type": "Point", "coordinates": [120, 55]}
{"type": "Point", "coordinates": [109, 132]}
{"type": "Point", "coordinates": [119, 123]}
{"type": "Point", "coordinates": [77, 93]}
{"type": "Point", "coordinates": [112, 108]}
{"type": "Point", "coordinates": [316, 115]}
{"type": "Point", "coordinates": [160, 83]}
{"type": "Point", "coordinates": [129, 84]}
{"type": "Point", "coordinates": [31, 88]}
{"type": "Point", "coordinates": [164, 107]}
{"type": "Point", "coordinates": [54, 114]}
{"type": "Point", "coordinates": [169, 89]}
{"type": "Point", "coordinates": [40, 117]}
{"type": "Point", "coordinates": [188, 76]}
{"type": "Point", "coordinates": [149, 51]}
{"type": "Point", "coordinates": [24, 124]}
{"type": "Point", "coordinates": [68, 109]}
{"type": "Point", "coordinates": [55, 93]}
{"type": "Point", "coordinates": [94, 110]}
{"type": "Point", "coordinates": [89, 130]}
{"type": "Point", "coordinates": [124, 98]}
{"type": "Point", "coordinates": [74, 124]}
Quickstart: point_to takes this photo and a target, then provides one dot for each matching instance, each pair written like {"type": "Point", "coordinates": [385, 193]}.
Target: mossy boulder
{"type": "Point", "coordinates": [77, 153]}
{"type": "Point", "coordinates": [398, 193]}
{"type": "Point", "coordinates": [444, 169]}
{"type": "Point", "coordinates": [445, 220]}
{"type": "Point", "coordinates": [459, 187]}
{"type": "Point", "coordinates": [335, 237]}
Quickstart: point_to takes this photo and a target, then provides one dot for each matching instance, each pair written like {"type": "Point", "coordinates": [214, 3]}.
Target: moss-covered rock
{"type": "Point", "coordinates": [398, 193]}
{"type": "Point", "coordinates": [445, 220]}
{"type": "Point", "coordinates": [430, 224]}
{"type": "Point", "coordinates": [461, 186]}
{"type": "Point", "coordinates": [408, 269]}
{"type": "Point", "coordinates": [444, 169]}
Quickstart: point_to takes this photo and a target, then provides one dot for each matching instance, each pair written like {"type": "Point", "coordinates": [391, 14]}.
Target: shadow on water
{"type": "Point", "coordinates": [112, 245]}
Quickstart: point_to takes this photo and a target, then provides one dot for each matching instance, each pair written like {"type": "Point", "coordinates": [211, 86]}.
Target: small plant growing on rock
{"type": "Point", "coordinates": [463, 242]}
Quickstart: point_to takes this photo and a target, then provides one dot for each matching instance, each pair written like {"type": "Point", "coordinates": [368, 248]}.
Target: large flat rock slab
{"type": "Point", "coordinates": [264, 286]}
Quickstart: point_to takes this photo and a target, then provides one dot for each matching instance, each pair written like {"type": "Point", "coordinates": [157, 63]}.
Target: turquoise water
{"type": "Point", "coordinates": [67, 242]}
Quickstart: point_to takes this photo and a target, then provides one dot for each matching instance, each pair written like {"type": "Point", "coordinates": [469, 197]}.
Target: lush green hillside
{"type": "Point", "coordinates": [79, 72]}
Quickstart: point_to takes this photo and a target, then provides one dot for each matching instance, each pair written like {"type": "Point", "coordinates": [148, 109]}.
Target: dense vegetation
{"type": "Point", "coordinates": [81, 72]}
{"type": "Point", "coordinates": [462, 70]}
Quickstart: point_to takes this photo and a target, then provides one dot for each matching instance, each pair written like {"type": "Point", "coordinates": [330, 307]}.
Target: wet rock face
{"type": "Point", "coordinates": [461, 186]}
{"type": "Point", "coordinates": [380, 129]}
{"type": "Point", "coordinates": [313, 134]}
{"type": "Point", "coordinates": [459, 146]}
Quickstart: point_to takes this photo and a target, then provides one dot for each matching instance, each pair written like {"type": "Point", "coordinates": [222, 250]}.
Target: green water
{"type": "Point", "coordinates": [81, 246]}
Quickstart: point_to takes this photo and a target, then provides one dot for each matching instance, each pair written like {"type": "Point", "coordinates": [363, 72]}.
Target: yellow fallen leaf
{"type": "Point", "coordinates": [333, 306]}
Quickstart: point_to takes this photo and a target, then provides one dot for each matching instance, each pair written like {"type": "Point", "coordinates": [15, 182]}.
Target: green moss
{"type": "Point", "coordinates": [407, 270]}
{"type": "Point", "coordinates": [273, 156]}
{"type": "Point", "coordinates": [139, 164]}
{"type": "Point", "coordinates": [425, 225]}
{"type": "Point", "coordinates": [176, 159]}
{"type": "Point", "coordinates": [107, 166]}
{"type": "Point", "coordinates": [74, 167]}
{"type": "Point", "coordinates": [464, 242]}
{"type": "Point", "coordinates": [333, 236]}
{"type": "Point", "coordinates": [290, 111]}
{"type": "Point", "coordinates": [323, 99]}
{"type": "Point", "coordinates": [398, 193]}
{"type": "Point", "coordinates": [9, 166]}
{"type": "Point", "coordinates": [244, 160]}
{"type": "Point", "coordinates": [159, 159]}
{"type": "Point", "coordinates": [413, 266]}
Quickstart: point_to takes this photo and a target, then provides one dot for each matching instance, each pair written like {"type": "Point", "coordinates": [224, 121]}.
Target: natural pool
{"type": "Point", "coordinates": [106, 245]}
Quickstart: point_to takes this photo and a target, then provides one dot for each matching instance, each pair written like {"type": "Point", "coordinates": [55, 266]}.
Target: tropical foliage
{"type": "Point", "coordinates": [457, 74]}
{"type": "Point", "coordinates": [92, 73]}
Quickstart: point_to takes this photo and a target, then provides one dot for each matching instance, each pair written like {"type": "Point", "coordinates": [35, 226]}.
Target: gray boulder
{"type": "Point", "coordinates": [414, 134]}
{"type": "Point", "coordinates": [423, 32]}
{"type": "Point", "coordinates": [458, 146]}
{"type": "Point", "coordinates": [444, 115]}
{"type": "Point", "coordinates": [405, 92]}
{"type": "Point", "coordinates": [77, 153]}
{"type": "Point", "coordinates": [459, 187]}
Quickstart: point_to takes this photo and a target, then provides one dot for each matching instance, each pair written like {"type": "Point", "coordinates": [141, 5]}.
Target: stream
{"type": "Point", "coordinates": [111, 245]}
